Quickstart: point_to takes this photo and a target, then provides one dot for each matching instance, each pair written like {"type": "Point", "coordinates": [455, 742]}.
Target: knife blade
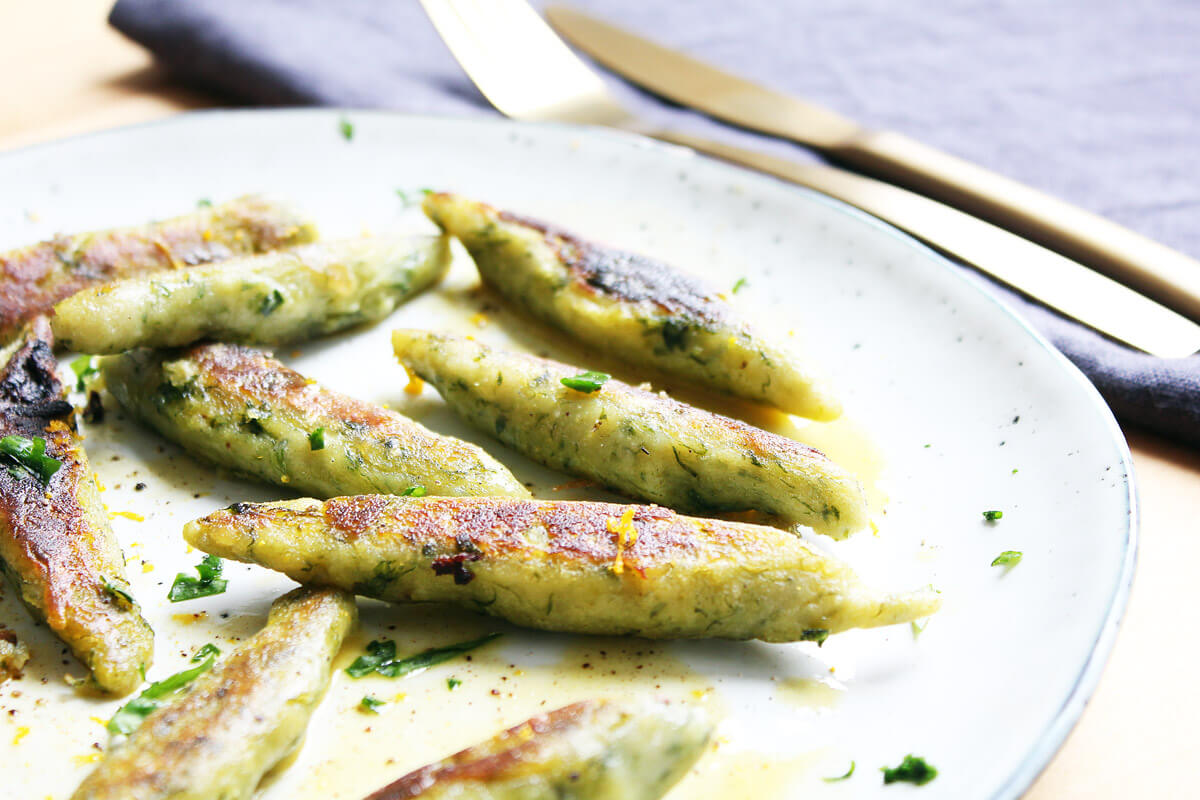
{"type": "Point", "coordinates": [1082, 236]}
{"type": "Point", "coordinates": [1074, 290]}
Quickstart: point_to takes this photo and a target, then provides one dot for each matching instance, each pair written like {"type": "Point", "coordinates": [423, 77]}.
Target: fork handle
{"type": "Point", "coordinates": [1080, 235]}
{"type": "Point", "coordinates": [1060, 283]}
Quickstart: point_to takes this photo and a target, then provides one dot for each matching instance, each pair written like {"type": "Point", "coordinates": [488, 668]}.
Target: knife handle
{"type": "Point", "coordinates": [1060, 283]}
{"type": "Point", "coordinates": [1082, 236]}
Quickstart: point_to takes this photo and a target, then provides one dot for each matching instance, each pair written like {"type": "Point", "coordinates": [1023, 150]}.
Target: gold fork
{"type": "Point", "coordinates": [528, 73]}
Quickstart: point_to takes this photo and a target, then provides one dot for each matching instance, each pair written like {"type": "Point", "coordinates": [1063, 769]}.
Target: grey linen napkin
{"type": "Point", "coordinates": [1095, 101]}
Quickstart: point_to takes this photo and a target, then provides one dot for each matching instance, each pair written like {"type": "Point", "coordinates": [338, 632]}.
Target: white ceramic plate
{"type": "Point", "coordinates": [953, 407]}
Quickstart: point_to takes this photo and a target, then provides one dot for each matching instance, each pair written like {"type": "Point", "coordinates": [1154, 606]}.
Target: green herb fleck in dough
{"type": "Point", "coordinates": [316, 439]}
{"type": "Point", "coordinates": [118, 590]}
{"type": "Point", "coordinates": [414, 491]}
{"type": "Point", "coordinates": [271, 302]}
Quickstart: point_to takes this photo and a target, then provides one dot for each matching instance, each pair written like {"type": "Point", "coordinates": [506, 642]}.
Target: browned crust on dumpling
{"type": "Point", "coordinates": [34, 278]}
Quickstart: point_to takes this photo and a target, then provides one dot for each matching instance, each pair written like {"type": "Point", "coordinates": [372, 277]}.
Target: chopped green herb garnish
{"type": "Point", "coordinates": [204, 202]}
{"type": "Point", "coordinates": [413, 491]}
{"type": "Point", "coordinates": [381, 657]}
{"type": "Point", "coordinates": [741, 284]}
{"type": "Point", "coordinates": [818, 635]}
{"type": "Point", "coordinates": [928, 446]}
{"type": "Point", "coordinates": [85, 369]}
{"type": "Point", "coordinates": [347, 128]}
{"type": "Point", "coordinates": [1014, 472]}
{"type": "Point", "coordinates": [316, 439]}
{"type": "Point", "coordinates": [913, 769]}
{"type": "Point", "coordinates": [453, 683]}
{"type": "Point", "coordinates": [271, 302]}
{"type": "Point", "coordinates": [992, 516]}
{"type": "Point", "coordinates": [369, 704]}
{"type": "Point", "coordinates": [849, 772]}
{"type": "Point", "coordinates": [1009, 558]}
{"type": "Point", "coordinates": [209, 583]}
{"type": "Point", "coordinates": [586, 382]}
{"type": "Point", "coordinates": [379, 652]}
{"type": "Point", "coordinates": [918, 627]}
{"type": "Point", "coordinates": [130, 716]}
{"type": "Point", "coordinates": [426, 191]}
{"type": "Point", "coordinates": [118, 590]}
{"type": "Point", "coordinates": [30, 458]}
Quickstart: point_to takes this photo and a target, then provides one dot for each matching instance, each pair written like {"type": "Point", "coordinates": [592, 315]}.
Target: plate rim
{"type": "Point", "coordinates": [1048, 743]}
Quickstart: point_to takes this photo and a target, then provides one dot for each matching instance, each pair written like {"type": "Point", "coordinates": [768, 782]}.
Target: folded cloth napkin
{"type": "Point", "coordinates": [1090, 100]}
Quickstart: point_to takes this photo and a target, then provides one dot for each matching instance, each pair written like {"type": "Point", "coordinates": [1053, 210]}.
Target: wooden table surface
{"type": "Point", "coordinates": [63, 71]}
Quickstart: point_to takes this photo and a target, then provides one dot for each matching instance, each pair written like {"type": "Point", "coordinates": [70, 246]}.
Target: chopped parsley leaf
{"type": "Point", "coordinates": [849, 772]}
{"type": "Point", "coordinates": [130, 716]}
{"type": "Point", "coordinates": [271, 302]}
{"type": "Point", "coordinates": [453, 683]}
{"type": "Point", "coordinates": [381, 657]}
{"type": "Point", "coordinates": [913, 769]}
{"type": "Point", "coordinates": [918, 627]}
{"type": "Point", "coordinates": [204, 202]}
{"type": "Point", "coordinates": [119, 591]}
{"type": "Point", "coordinates": [413, 491]}
{"type": "Point", "coordinates": [209, 583]}
{"type": "Point", "coordinates": [742, 283]}
{"type": "Point", "coordinates": [992, 516]}
{"type": "Point", "coordinates": [347, 128]}
{"type": "Point", "coordinates": [85, 369]}
{"type": "Point", "coordinates": [316, 439]}
{"type": "Point", "coordinates": [586, 382]}
{"type": "Point", "coordinates": [30, 458]}
{"type": "Point", "coordinates": [369, 704]}
{"type": "Point", "coordinates": [1009, 558]}
{"type": "Point", "coordinates": [379, 652]}
{"type": "Point", "coordinates": [818, 635]}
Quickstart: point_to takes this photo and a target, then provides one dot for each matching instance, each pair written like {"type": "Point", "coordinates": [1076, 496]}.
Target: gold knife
{"type": "Point", "coordinates": [1080, 235]}
{"type": "Point", "coordinates": [527, 73]}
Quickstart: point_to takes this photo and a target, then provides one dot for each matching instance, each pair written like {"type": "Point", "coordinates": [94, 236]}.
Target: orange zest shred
{"type": "Point", "coordinates": [415, 384]}
{"type": "Point", "coordinates": [626, 535]}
